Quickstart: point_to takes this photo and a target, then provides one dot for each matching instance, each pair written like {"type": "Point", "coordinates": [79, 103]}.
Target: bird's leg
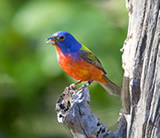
{"type": "Point", "coordinates": [74, 84]}
{"type": "Point", "coordinates": [86, 84]}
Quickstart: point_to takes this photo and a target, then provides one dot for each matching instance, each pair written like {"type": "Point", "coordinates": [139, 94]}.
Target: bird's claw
{"type": "Point", "coordinates": [76, 90]}
{"type": "Point", "coordinates": [72, 86]}
{"type": "Point", "coordinates": [81, 88]}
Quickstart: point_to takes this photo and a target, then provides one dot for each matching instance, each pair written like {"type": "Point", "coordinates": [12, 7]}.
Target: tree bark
{"type": "Point", "coordinates": [140, 96]}
{"type": "Point", "coordinates": [73, 110]}
{"type": "Point", "coordinates": [141, 64]}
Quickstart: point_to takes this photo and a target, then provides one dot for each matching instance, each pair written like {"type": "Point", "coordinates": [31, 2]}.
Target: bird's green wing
{"type": "Point", "coordinates": [86, 54]}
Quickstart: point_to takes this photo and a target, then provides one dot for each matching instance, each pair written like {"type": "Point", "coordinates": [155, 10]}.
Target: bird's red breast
{"type": "Point", "coordinates": [78, 68]}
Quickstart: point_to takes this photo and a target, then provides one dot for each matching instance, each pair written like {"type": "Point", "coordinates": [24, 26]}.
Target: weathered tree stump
{"type": "Point", "coordinates": [73, 110]}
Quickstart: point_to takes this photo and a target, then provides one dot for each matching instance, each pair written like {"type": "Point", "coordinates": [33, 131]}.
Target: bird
{"type": "Point", "coordinates": [80, 63]}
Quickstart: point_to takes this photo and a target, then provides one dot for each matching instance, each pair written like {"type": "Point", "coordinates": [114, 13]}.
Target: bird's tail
{"type": "Point", "coordinates": [111, 87]}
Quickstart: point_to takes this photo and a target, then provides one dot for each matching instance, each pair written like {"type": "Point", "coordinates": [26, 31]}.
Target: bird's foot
{"type": "Point", "coordinates": [81, 88]}
{"type": "Point", "coordinates": [74, 84]}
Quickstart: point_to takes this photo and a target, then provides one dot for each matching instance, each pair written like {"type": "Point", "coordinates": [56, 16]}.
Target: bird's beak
{"type": "Point", "coordinates": [51, 40]}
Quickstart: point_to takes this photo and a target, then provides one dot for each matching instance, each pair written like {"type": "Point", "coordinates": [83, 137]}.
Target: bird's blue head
{"type": "Point", "coordinates": [65, 41]}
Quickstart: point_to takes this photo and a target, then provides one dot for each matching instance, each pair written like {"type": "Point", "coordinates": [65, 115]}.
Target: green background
{"type": "Point", "coordinates": [31, 79]}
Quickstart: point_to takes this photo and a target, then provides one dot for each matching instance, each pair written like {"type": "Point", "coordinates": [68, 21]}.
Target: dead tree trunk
{"type": "Point", "coordinates": [73, 111]}
{"type": "Point", "coordinates": [140, 96]}
{"type": "Point", "coordinates": [141, 64]}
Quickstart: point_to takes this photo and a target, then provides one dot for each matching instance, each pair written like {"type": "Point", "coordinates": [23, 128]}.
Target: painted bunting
{"type": "Point", "coordinates": [79, 62]}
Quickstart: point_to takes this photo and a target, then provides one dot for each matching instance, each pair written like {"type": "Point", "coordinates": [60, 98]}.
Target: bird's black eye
{"type": "Point", "coordinates": [61, 38]}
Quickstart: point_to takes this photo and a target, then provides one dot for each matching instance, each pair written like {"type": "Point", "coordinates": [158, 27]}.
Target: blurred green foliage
{"type": "Point", "coordinates": [31, 79]}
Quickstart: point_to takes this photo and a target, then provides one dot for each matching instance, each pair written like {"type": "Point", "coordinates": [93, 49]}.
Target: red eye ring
{"type": "Point", "coordinates": [61, 38]}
